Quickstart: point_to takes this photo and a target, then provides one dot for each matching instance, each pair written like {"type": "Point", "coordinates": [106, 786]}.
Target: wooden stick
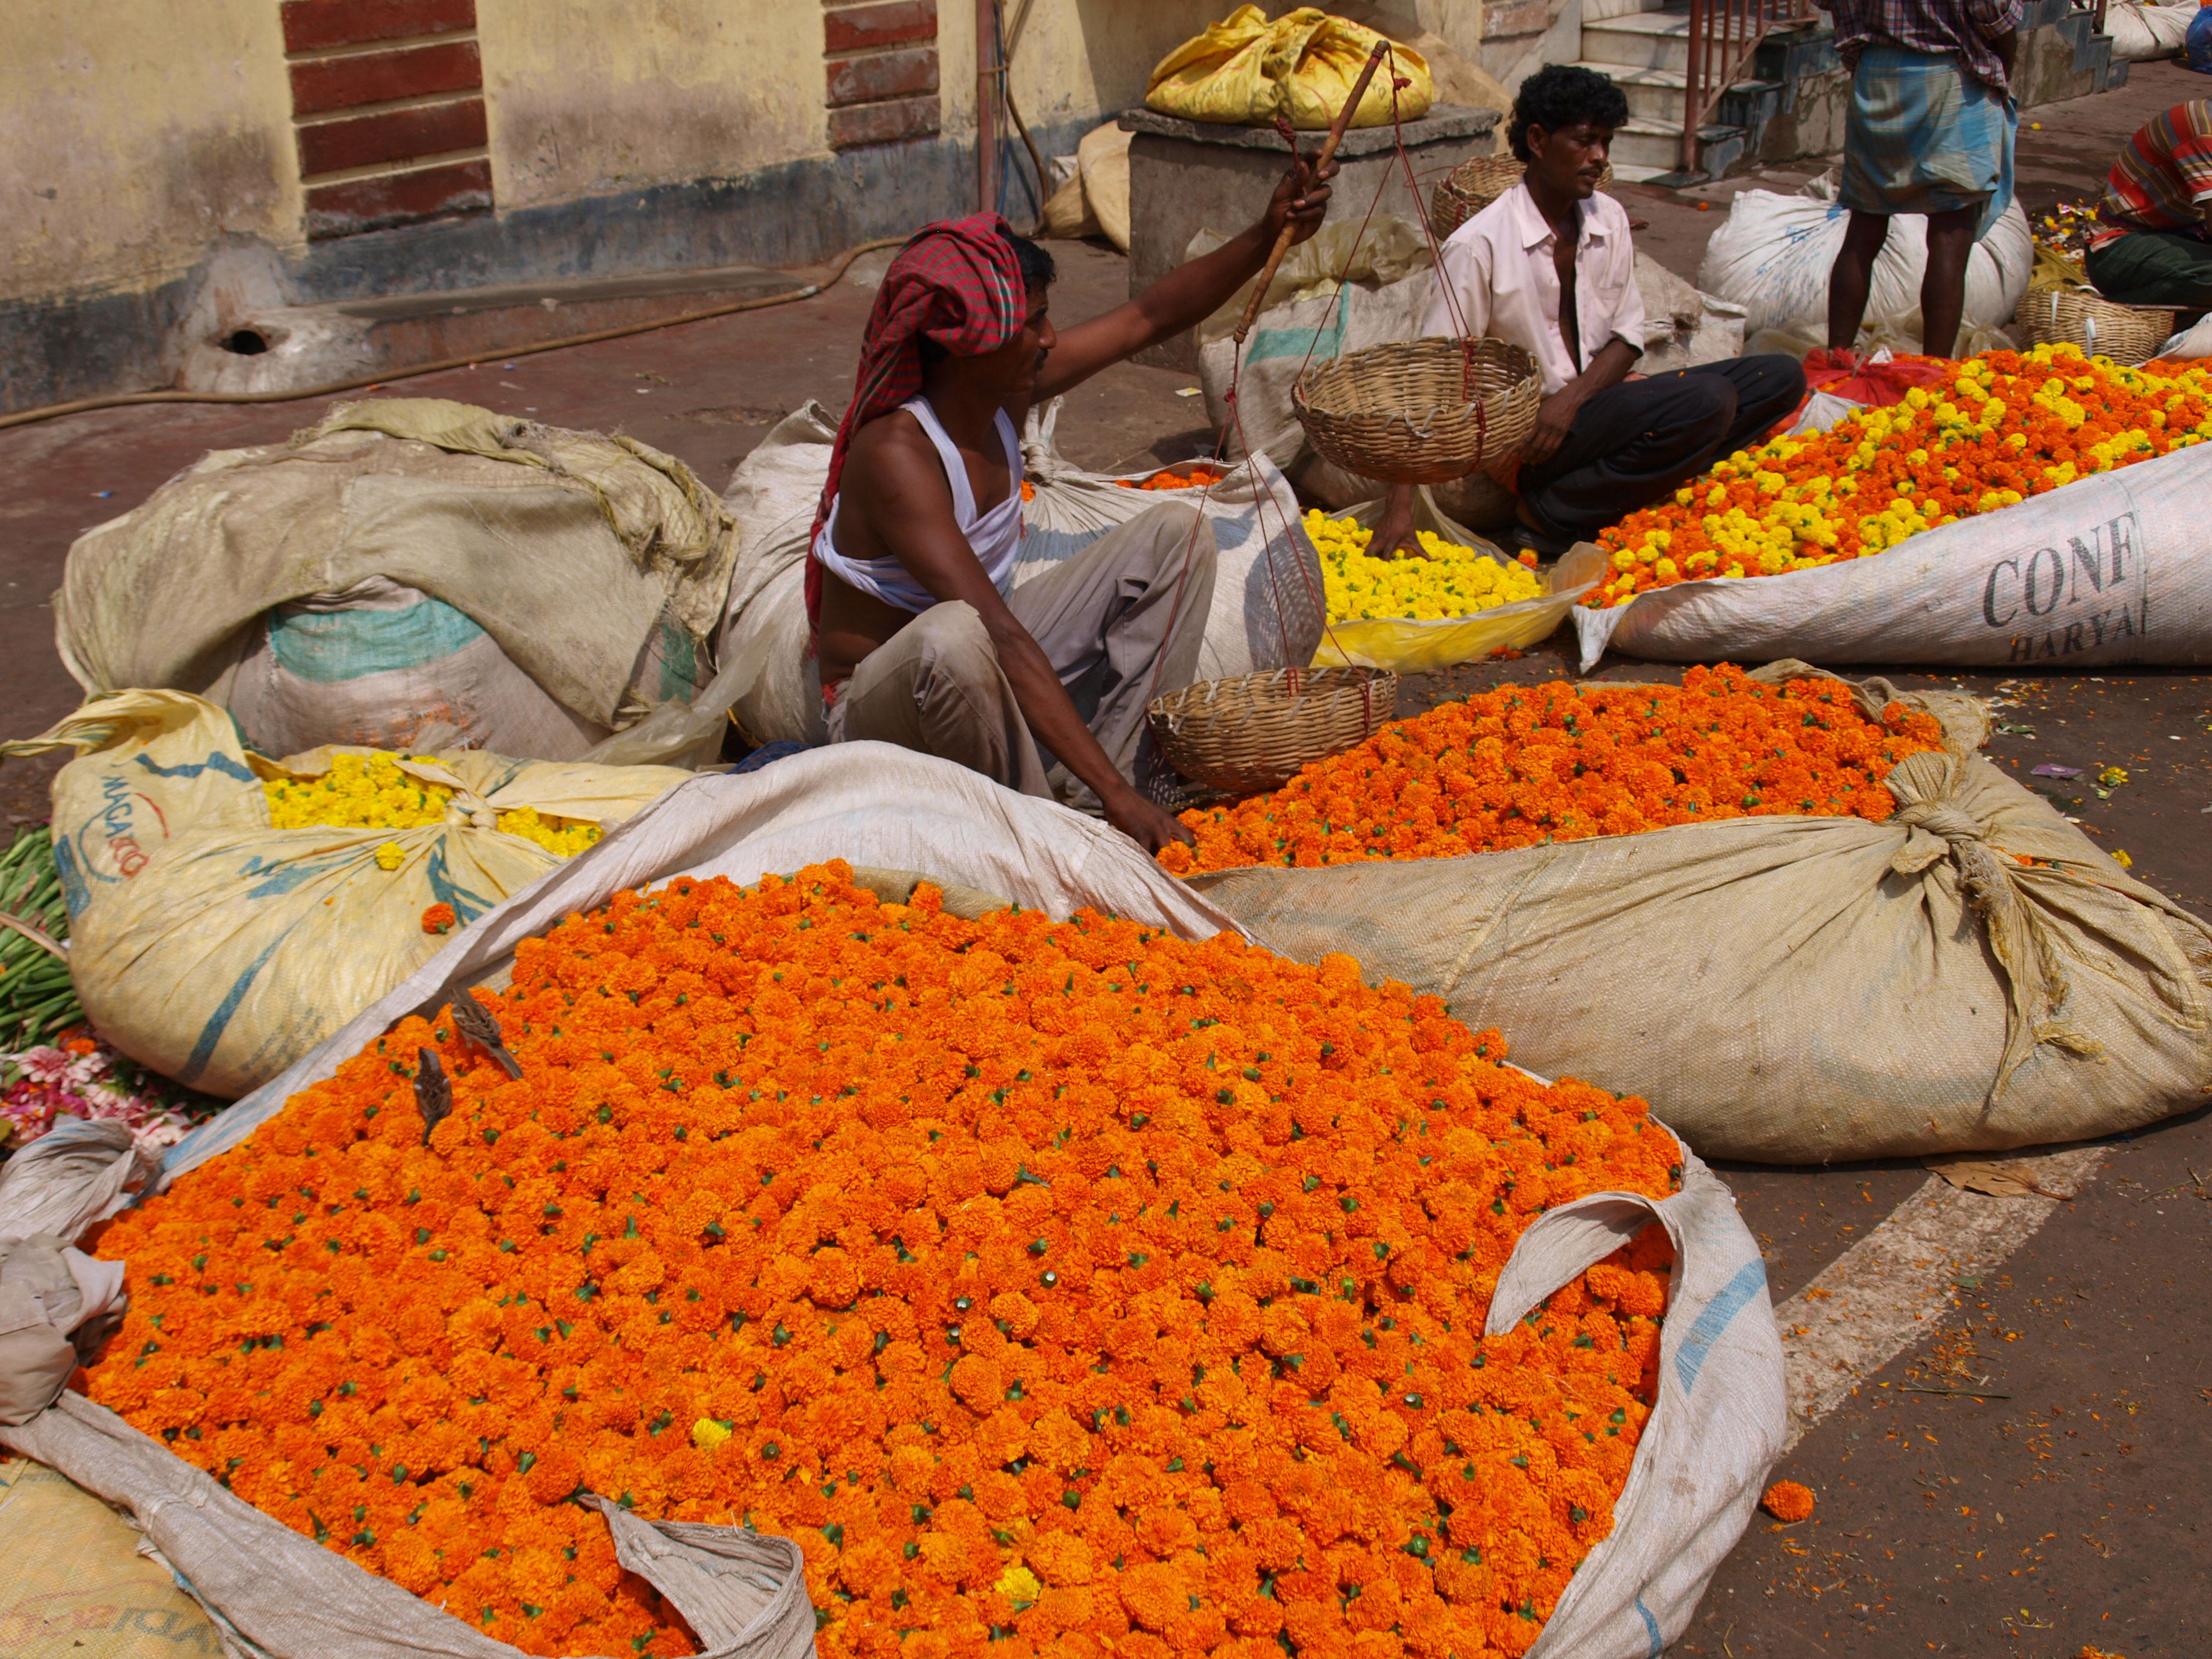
{"type": "Point", "coordinates": [1328, 153]}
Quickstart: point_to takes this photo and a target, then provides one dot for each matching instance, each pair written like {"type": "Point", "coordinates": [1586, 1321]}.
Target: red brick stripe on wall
{"type": "Point", "coordinates": [369, 203]}
{"type": "Point", "coordinates": [883, 75]}
{"type": "Point", "coordinates": [891, 23]}
{"type": "Point", "coordinates": [360, 140]}
{"type": "Point", "coordinates": [378, 78]}
{"type": "Point", "coordinates": [316, 25]}
{"type": "Point", "coordinates": [883, 124]}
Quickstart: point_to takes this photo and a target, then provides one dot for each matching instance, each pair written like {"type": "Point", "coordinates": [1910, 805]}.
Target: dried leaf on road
{"type": "Point", "coordinates": [1998, 1180]}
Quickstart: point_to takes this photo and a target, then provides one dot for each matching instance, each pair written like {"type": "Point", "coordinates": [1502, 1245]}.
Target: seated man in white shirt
{"type": "Point", "coordinates": [1548, 266]}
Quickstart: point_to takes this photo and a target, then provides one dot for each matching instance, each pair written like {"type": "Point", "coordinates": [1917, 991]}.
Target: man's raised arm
{"type": "Point", "coordinates": [1190, 293]}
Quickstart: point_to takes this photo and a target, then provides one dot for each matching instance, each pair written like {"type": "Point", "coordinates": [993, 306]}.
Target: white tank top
{"type": "Point", "coordinates": [996, 536]}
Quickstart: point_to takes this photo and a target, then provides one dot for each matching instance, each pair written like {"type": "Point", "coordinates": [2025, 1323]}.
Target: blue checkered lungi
{"type": "Point", "coordinates": [1924, 137]}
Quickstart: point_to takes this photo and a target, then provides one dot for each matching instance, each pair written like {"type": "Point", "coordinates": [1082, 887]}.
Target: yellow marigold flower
{"type": "Point", "coordinates": [1452, 581]}
{"type": "Point", "coordinates": [709, 1436]}
{"type": "Point", "coordinates": [370, 791]}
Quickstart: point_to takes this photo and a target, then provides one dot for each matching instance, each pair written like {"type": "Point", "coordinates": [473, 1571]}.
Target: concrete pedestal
{"type": "Point", "coordinates": [1189, 176]}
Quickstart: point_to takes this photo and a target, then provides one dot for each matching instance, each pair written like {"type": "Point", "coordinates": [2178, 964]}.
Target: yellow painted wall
{"type": "Point", "coordinates": [136, 134]}
{"type": "Point", "coordinates": [587, 98]}
{"type": "Point", "coordinates": [133, 134]}
{"type": "Point", "coordinates": [1072, 58]}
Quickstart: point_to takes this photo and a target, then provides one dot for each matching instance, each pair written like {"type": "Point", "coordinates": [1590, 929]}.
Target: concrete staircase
{"type": "Point", "coordinates": [1790, 104]}
{"type": "Point", "coordinates": [1646, 52]}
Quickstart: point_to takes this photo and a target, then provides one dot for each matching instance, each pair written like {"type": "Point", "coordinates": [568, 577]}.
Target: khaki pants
{"type": "Point", "coordinates": [1120, 623]}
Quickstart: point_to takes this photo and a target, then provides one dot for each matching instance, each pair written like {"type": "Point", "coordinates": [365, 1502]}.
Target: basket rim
{"type": "Point", "coordinates": [1486, 346]}
{"type": "Point", "coordinates": [1495, 404]}
{"type": "Point", "coordinates": [1339, 680]}
{"type": "Point", "coordinates": [1246, 733]}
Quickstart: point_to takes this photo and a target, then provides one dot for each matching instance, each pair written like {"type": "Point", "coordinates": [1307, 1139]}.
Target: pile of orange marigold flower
{"type": "Point", "coordinates": [1066, 1284]}
{"type": "Point", "coordinates": [1996, 429]}
{"type": "Point", "coordinates": [1526, 764]}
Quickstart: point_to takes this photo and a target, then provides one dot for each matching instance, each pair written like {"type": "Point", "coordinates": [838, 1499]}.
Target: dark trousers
{"type": "Point", "coordinates": [1634, 443]}
{"type": "Point", "coordinates": [2155, 268]}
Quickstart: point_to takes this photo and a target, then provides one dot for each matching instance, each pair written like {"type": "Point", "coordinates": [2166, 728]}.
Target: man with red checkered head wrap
{"type": "Point", "coordinates": [920, 635]}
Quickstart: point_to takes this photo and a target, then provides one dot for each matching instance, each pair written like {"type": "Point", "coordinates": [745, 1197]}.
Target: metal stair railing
{"type": "Point", "coordinates": [1724, 36]}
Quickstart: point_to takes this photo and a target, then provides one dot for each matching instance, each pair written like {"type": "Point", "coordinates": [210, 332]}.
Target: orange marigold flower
{"type": "Point", "coordinates": [439, 919]}
{"type": "Point", "coordinates": [1524, 765]}
{"type": "Point", "coordinates": [1038, 1278]}
{"type": "Point", "coordinates": [1785, 1500]}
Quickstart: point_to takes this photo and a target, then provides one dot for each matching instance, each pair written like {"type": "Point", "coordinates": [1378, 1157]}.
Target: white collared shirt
{"type": "Point", "coordinates": [1498, 267]}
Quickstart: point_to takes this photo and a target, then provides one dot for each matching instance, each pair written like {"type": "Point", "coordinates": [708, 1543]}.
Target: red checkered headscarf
{"type": "Point", "coordinates": [957, 283]}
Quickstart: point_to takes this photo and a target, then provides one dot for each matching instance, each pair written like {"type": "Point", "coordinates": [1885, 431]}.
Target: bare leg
{"type": "Point", "coordinates": [1943, 289]}
{"type": "Point", "coordinates": [1853, 275]}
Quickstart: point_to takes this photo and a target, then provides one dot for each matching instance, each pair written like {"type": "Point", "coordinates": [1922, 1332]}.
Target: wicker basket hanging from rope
{"type": "Point", "coordinates": [2127, 334]}
{"type": "Point", "coordinates": [1254, 732]}
{"type": "Point", "coordinates": [1473, 185]}
{"type": "Point", "coordinates": [1419, 411]}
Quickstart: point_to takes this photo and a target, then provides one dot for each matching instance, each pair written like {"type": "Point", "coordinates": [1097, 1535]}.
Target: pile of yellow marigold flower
{"type": "Point", "coordinates": [1451, 581]}
{"type": "Point", "coordinates": [1065, 1289]}
{"type": "Point", "coordinates": [1998, 429]}
{"type": "Point", "coordinates": [371, 791]}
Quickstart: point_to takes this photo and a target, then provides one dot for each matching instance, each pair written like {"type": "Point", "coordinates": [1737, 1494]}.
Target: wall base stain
{"type": "Point", "coordinates": [798, 212]}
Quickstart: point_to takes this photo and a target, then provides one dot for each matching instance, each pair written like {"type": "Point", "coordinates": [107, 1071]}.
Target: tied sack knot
{"type": "Point", "coordinates": [1926, 787]}
{"type": "Point", "coordinates": [467, 811]}
{"type": "Point", "coordinates": [1941, 818]}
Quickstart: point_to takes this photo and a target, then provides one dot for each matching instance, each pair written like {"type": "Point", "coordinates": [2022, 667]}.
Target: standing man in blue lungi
{"type": "Point", "coordinates": [1930, 131]}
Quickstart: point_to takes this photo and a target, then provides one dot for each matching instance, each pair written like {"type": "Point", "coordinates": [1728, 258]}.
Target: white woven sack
{"type": "Point", "coordinates": [1718, 1421]}
{"type": "Point", "coordinates": [1268, 604]}
{"type": "Point", "coordinates": [2105, 570]}
{"type": "Point", "coordinates": [2142, 33]}
{"type": "Point", "coordinates": [1267, 584]}
{"type": "Point", "coordinates": [2195, 341]}
{"type": "Point", "coordinates": [1772, 257]}
{"type": "Point", "coordinates": [1284, 342]}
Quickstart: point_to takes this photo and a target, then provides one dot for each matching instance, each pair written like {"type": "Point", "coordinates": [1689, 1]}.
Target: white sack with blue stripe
{"type": "Point", "coordinates": [218, 950]}
{"type": "Point", "coordinates": [1717, 1422]}
{"type": "Point", "coordinates": [1972, 975]}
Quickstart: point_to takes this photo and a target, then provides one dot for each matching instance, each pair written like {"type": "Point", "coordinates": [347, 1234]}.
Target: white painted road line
{"type": "Point", "coordinates": [1874, 1301]}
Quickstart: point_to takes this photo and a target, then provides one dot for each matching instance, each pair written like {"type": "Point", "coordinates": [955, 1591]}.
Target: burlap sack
{"type": "Point", "coordinates": [1801, 990]}
{"type": "Point", "coordinates": [415, 560]}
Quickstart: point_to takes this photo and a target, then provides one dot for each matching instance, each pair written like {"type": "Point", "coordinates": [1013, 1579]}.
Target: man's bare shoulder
{"type": "Point", "coordinates": [896, 434]}
{"type": "Point", "coordinates": [891, 463]}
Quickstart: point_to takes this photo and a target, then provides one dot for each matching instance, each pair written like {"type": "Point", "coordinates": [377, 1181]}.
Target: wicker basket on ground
{"type": "Point", "coordinates": [1474, 185]}
{"type": "Point", "coordinates": [2126, 334]}
{"type": "Point", "coordinates": [1419, 411]}
{"type": "Point", "coordinates": [1252, 733]}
